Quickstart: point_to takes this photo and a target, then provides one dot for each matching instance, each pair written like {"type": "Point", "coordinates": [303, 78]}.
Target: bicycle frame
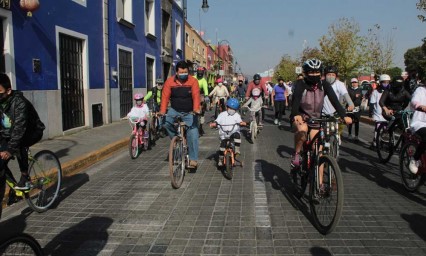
{"type": "Point", "coordinates": [230, 145]}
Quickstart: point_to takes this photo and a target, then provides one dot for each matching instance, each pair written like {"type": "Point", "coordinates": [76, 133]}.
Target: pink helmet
{"type": "Point", "coordinates": [138, 96]}
{"type": "Point", "coordinates": [219, 80]}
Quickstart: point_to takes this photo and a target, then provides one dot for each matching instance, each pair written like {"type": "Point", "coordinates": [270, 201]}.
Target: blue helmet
{"type": "Point", "coordinates": [233, 103]}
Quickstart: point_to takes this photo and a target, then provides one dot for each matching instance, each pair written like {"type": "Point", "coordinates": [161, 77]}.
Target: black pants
{"type": "Point", "coordinates": [237, 140]}
{"type": "Point", "coordinates": [422, 146]}
{"type": "Point", "coordinates": [279, 109]}
{"type": "Point", "coordinates": [355, 121]}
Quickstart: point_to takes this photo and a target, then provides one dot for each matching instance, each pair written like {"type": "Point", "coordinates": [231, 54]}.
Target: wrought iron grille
{"type": "Point", "coordinates": [125, 82]}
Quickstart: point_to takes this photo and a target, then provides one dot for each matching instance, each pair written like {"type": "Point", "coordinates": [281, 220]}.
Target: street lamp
{"type": "Point", "coordinates": [205, 6]}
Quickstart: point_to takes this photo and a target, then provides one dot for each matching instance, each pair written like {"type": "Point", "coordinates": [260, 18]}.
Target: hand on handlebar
{"type": "Point", "coordinates": [351, 108]}
{"type": "Point", "coordinates": [388, 112]}
{"type": "Point", "coordinates": [347, 120]}
{"type": "Point", "coordinates": [243, 124]}
{"type": "Point", "coordinates": [298, 119]}
{"type": "Point", "coordinates": [213, 124]}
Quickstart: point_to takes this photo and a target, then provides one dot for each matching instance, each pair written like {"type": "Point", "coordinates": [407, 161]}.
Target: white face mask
{"type": "Point", "coordinates": [231, 112]}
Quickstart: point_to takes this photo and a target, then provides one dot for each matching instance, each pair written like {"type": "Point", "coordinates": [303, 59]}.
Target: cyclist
{"type": "Point", "coordinates": [339, 88]}
{"type": "Point", "coordinates": [241, 90]}
{"type": "Point", "coordinates": [355, 93]}
{"type": "Point", "coordinates": [153, 98]}
{"type": "Point", "coordinates": [393, 100]}
{"type": "Point", "coordinates": [262, 88]}
{"type": "Point", "coordinates": [204, 92]}
{"type": "Point", "coordinates": [228, 118]}
{"type": "Point", "coordinates": [20, 128]}
{"type": "Point", "coordinates": [308, 101]}
{"type": "Point", "coordinates": [220, 93]}
{"type": "Point", "coordinates": [183, 93]}
{"type": "Point", "coordinates": [140, 110]}
{"type": "Point", "coordinates": [378, 118]}
{"type": "Point", "coordinates": [279, 98]}
{"type": "Point", "coordinates": [418, 125]}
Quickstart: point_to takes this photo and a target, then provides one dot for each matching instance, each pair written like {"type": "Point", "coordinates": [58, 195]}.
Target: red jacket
{"type": "Point", "coordinates": [183, 97]}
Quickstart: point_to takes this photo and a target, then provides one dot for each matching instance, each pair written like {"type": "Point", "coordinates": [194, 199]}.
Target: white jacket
{"type": "Point", "coordinates": [419, 117]}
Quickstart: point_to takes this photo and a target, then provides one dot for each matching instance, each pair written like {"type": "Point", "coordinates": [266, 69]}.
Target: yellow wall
{"type": "Point", "coordinates": [195, 47]}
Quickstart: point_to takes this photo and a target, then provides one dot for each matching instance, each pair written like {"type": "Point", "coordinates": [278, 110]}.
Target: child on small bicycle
{"type": "Point", "coordinates": [418, 125]}
{"type": "Point", "coordinates": [227, 119]}
{"type": "Point", "coordinates": [140, 111]}
{"type": "Point", "coordinates": [256, 105]}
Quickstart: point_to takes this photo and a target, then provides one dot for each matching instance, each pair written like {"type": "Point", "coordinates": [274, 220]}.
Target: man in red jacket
{"type": "Point", "coordinates": [183, 93]}
{"type": "Point", "coordinates": [262, 87]}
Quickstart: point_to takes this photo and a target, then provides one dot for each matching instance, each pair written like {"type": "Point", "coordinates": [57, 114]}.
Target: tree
{"type": "Point", "coordinates": [393, 72]}
{"type": "Point", "coordinates": [380, 50]}
{"type": "Point", "coordinates": [286, 68]}
{"type": "Point", "coordinates": [343, 46]}
{"type": "Point", "coordinates": [310, 53]}
{"type": "Point", "coordinates": [415, 60]}
{"type": "Point", "coordinates": [421, 5]}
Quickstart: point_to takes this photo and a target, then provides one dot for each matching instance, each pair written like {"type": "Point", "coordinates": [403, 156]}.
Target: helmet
{"type": "Point", "coordinates": [219, 80]}
{"type": "Point", "coordinates": [225, 82]}
{"type": "Point", "coordinates": [312, 65]}
{"type": "Point", "coordinates": [159, 81]}
{"type": "Point", "coordinates": [256, 77]}
{"type": "Point", "coordinates": [384, 77]}
{"type": "Point", "coordinates": [138, 96]}
{"type": "Point", "coordinates": [201, 69]}
{"type": "Point", "coordinates": [255, 92]}
{"type": "Point", "coordinates": [233, 103]}
{"type": "Point", "coordinates": [331, 69]}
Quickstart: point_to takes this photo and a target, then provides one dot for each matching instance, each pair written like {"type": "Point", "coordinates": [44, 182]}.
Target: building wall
{"type": "Point", "coordinates": [195, 47]}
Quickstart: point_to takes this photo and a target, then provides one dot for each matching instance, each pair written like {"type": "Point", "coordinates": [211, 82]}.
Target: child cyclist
{"type": "Point", "coordinates": [256, 104]}
{"type": "Point", "coordinates": [140, 111]}
{"type": "Point", "coordinates": [227, 119]}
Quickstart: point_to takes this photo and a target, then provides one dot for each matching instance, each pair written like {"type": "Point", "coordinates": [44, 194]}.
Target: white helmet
{"type": "Point", "coordinates": [256, 92]}
{"type": "Point", "coordinates": [384, 77]}
{"type": "Point", "coordinates": [225, 82]}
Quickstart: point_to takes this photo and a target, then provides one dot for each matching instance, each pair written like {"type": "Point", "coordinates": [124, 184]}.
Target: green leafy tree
{"type": "Point", "coordinates": [379, 51]}
{"type": "Point", "coordinates": [286, 68]}
{"type": "Point", "coordinates": [393, 72]}
{"type": "Point", "coordinates": [311, 53]}
{"type": "Point", "coordinates": [343, 46]}
{"type": "Point", "coordinates": [415, 60]}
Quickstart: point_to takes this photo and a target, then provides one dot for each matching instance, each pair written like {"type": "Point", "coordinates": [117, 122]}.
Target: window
{"type": "Point", "coordinates": [187, 38]}
{"type": "Point", "coordinates": [124, 10]}
{"type": "Point", "coordinates": [193, 43]}
{"type": "Point", "coordinates": [150, 73]}
{"type": "Point", "coordinates": [178, 38]}
{"type": "Point", "coordinates": [198, 48]}
{"type": "Point", "coordinates": [149, 17]}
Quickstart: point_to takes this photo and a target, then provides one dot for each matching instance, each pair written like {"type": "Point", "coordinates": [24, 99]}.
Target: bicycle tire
{"type": "Point", "coordinates": [410, 181]}
{"type": "Point", "coordinates": [321, 205]}
{"type": "Point", "coordinates": [299, 176]}
{"type": "Point", "coordinates": [384, 144]}
{"type": "Point", "coordinates": [46, 176]}
{"type": "Point", "coordinates": [176, 162]}
{"type": "Point", "coordinates": [21, 244]}
{"type": "Point", "coordinates": [133, 147]}
{"type": "Point", "coordinates": [253, 129]}
{"type": "Point", "coordinates": [334, 146]}
{"type": "Point", "coordinates": [228, 166]}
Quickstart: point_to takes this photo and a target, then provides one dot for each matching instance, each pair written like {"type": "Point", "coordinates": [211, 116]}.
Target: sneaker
{"type": "Point", "coordinates": [276, 121]}
{"type": "Point", "coordinates": [350, 137]}
{"type": "Point", "coordinates": [193, 164]}
{"type": "Point", "coordinates": [279, 123]}
{"type": "Point", "coordinates": [220, 162]}
{"type": "Point", "coordinates": [414, 166]}
{"type": "Point", "coordinates": [260, 124]}
{"type": "Point", "coordinates": [24, 183]}
{"type": "Point", "coordinates": [295, 160]}
{"type": "Point", "coordinates": [13, 198]}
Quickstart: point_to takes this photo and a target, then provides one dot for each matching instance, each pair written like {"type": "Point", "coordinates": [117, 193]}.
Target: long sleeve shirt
{"type": "Point", "coordinates": [184, 97]}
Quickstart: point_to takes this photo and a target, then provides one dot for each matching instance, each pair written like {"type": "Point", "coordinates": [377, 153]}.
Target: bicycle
{"type": "Point", "coordinates": [385, 138]}
{"type": "Point", "coordinates": [326, 197]}
{"type": "Point", "coordinates": [219, 106]}
{"type": "Point", "coordinates": [178, 153]}
{"type": "Point", "coordinates": [229, 158]}
{"type": "Point", "coordinates": [254, 123]}
{"type": "Point", "coordinates": [45, 181]}
{"type": "Point", "coordinates": [21, 244]}
{"type": "Point", "coordinates": [242, 111]}
{"type": "Point", "coordinates": [410, 180]}
{"type": "Point", "coordinates": [139, 137]}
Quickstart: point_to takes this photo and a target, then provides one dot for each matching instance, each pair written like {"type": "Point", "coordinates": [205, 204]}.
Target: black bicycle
{"type": "Point", "coordinates": [321, 171]}
{"type": "Point", "coordinates": [22, 244]}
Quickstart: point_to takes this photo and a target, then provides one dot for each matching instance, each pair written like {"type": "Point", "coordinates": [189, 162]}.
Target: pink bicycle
{"type": "Point", "coordinates": [139, 139]}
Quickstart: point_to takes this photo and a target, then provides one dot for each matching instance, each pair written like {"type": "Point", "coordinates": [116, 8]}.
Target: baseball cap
{"type": "Point", "coordinates": [354, 80]}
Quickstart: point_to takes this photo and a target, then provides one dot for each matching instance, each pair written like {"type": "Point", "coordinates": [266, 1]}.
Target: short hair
{"type": "Point", "coordinates": [5, 81]}
{"type": "Point", "coordinates": [182, 64]}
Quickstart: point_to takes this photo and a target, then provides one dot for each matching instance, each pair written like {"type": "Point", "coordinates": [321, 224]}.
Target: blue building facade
{"type": "Point", "coordinates": [80, 62]}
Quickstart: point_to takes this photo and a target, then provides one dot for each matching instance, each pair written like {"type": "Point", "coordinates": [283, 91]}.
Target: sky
{"type": "Point", "coordinates": [260, 32]}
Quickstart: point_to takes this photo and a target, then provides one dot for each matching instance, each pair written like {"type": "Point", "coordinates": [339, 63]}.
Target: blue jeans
{"type": "Point", "coordinates": [191, 133]}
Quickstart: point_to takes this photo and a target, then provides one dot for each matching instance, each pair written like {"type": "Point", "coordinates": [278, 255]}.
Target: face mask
{"type": "Point", "coordinates": [231, 112]}
{"type": "Point", "coordinates": [3, 97]}
{"type": "Point", "coordinates": [256, 82]}
{"type": "Point", "coordinates": [139, 103]}
{"type": "Point", "coordinates": [330, 79]}
{"type": "Point", "coordinates": [385, 85]}
{"type": "Point", "coordinates": [396, 88]}
{"type": "Point", "coordinates": [313, 80]}
{"type": "Point", "coordinates": [183, 76]}
{"type": "Point", "coordinates": [200, 75]}
{"type": "Point", "coordinates": [220, 84]}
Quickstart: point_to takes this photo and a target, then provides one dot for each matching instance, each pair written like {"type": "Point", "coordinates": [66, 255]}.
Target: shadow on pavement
{"type": "Point", "coordinates": [281, 180]}
{"type": "Point", "coordinates": [417, 224]}
{"type": "Point", "coordinates": [13, 226]}
{"type": "Point", "coordinates": [319, 251]}
{"type": "Point", "coordinates": [71, 184]}
{"type": "Point", "coordinates": [375, 172]}
{"type": "Point", "coordinates": [64, 152]}
{"type": "Point", "coordinates": [88, 237]}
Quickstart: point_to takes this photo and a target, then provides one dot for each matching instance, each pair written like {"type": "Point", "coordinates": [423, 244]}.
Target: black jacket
{"type": "Point", "coordinates": [353, 94]}
{"type": "Point", "coordinates": [19, 120]}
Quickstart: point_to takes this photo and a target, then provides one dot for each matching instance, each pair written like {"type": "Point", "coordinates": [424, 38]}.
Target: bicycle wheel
{"type": "Point", "coordinates": [253, 131]}
{"type": "Point", "coordinates": [410, 181]}
{"type": "Point", "coordinates": [133, 146]}
{"type": "Point", "coordinates": [46, 179]}
{"type": "Point", "coordinates": [176, 162]}
{"type": "Point", "coordinates": [326, 205]}
{"type": "Point", "coordinates": [334, 146]}
{"type": "Point", "coordinates": [384, 143]}
{"type": "Point", "coordinates": [21, 244]}
{"type": "Point", "coordinates": [299, 176]}
{"type": "Point", "coordinates": [228, 166]}
{"type": "Point", "coordinates": [216, 111]}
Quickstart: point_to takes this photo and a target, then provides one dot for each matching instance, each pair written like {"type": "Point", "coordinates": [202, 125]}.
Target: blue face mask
{"type": "Point", "coordinates": [183, 76]}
